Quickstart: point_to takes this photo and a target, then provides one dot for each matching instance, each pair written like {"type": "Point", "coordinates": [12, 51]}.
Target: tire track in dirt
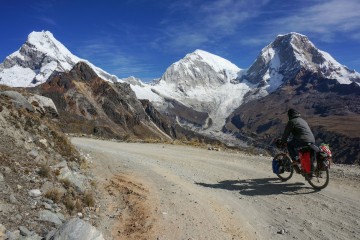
{"type": "Point", "coordinates": [192, 193]}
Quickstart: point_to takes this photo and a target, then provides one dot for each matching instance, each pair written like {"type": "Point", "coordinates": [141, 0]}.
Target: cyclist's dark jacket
{"type": "Point", "coordinates": [300, 130]}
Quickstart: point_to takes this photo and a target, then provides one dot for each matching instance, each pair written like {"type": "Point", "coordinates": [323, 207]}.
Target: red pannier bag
{"type": "Point", "coordinates": [305, 161]}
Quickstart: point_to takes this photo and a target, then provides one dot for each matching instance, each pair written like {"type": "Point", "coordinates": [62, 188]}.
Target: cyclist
{"type": "Point", "coordinates": [300, 131]}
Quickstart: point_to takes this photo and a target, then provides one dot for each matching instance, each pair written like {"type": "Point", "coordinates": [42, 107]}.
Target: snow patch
{"type": "Point", "coordinates": [17, 76]}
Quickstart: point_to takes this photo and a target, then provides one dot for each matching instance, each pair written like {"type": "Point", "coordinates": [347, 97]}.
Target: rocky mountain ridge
{"type": "Point", "coordinates": [218, 94]}
{"type": "Point", "coordinates": [287, 55]}
{"type": "Point", "coordinates": [90, 105]}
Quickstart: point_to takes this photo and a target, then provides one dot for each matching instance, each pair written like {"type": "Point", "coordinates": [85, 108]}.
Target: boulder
{"type": "Point", "coordinates": [48, 216]}
{"type": "Point", "coordinates": [19, 100]}
{"type": "Point", "coordinates": [43, 105]}
{"type": "Point", "coordinates": [75, 178]}
{"type": "Point", "coordinates": [35, 193]}
{"type": "Point", "coordinates": [77, 229]}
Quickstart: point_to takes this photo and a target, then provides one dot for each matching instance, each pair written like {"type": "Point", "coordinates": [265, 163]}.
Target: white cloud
{"type": "Point", "coordinates": [109, 56]}
{"type": "Point", "coordinates": [323, 20]}
{"type": "Point", "coordinates": [205, 22]}
{"type": "Point", "coordinates": [327, 18]}
{"type": "Point", "coordinates": [48, 21]}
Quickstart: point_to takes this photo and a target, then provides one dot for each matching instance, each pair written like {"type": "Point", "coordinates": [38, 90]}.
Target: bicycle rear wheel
{"type": "Point", "coordinates": [287, 169]}
{"type": "Point", "coordinates": [319, 179]}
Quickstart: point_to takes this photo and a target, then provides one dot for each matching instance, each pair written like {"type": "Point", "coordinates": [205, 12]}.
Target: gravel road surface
{"type": "Point", "coordinates": [161, 191]}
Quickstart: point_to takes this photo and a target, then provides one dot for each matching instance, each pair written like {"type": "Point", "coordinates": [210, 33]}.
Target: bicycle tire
{"type": "Point", "coordinates": [317, 180]}
{"type": "Point", "coordinates": [286, 164]}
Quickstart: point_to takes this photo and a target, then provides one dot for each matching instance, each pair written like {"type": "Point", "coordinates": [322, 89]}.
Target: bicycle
{"type": "Point", "coordinates": [314, 164]}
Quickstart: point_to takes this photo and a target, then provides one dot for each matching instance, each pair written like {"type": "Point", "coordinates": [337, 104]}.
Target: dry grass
{"type": "Point", "coordinates": [72, 205]}
{"type": "Point", "coordinates": [57, 172]}
{"type": "Point", "coordinates": [69, 204]}
{"type": "Point", "coordinates": [45, 171]}
{"type": "Point", "coordinates": [84, 165]}
{"type": "Point", "coordinates": [66, 183]}
{"type": "Point", "coordinates": [54, 194]}
{"type": "Point", "coordinates": [89, 199]}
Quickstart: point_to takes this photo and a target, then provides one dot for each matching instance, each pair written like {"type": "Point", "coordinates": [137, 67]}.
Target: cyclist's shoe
{"type": "Point", "coordinates": [295, 163]}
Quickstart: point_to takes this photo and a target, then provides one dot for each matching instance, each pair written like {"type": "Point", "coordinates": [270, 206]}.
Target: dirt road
{"type": "Point", "coordinates": [159, 191]}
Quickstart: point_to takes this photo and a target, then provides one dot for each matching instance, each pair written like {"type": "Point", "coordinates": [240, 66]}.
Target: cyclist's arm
{"type": "Point", "coordinates": [287, 131]}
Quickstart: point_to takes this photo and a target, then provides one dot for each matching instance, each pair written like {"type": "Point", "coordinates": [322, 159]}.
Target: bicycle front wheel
{"type": "Point", "coordinates": [286, 168]}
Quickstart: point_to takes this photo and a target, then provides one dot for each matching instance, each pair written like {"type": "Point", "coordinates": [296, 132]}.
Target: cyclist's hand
{"type": "Point", "coordinates": [279, 143]}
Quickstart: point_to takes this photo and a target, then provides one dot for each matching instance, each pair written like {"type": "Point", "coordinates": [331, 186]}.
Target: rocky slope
{"type": "Point", "coordinates": [90, 105]}
{"type": "Point", "coordinates": [331, 108]}
{"type": "Point", "coordinates": [43, 183]}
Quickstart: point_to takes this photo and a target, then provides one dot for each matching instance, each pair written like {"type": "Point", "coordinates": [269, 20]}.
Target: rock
{"type": "Point", "coordinates": [6, 208]}
{"type": "Point", "coordinates": [48, 216]}
{"type": "Point", "coordinates": [33, 153]}
{"type": "Point", "coordinates": [1, 177]}
{"type": "Point", "coordinates": [77, 179]}
{"type": "Point", "coordinates": [35, 193]}
{"type": "Point", "coordinates": [43, 128]}
{"type": "Point", "coordinates": [15, 235]}
{"type": "Point", "coordinates": [44, 142]}
{"type": "Point", "coordinates": [6, 170]}
{"type": "Point", "coordinates": [49, 201]}
{"type": "Point", "coordinates": [19, 100]}
{"type": "Point", "coordinates": [13, 199]}
{"type": "Point", "coordinates": [24, 231]}
{"type": "Point", "coordinates": [47, 206]}
{"type": "Point", "coordinates": [282, 231]}
{"type": "Point", "coordinates": [77, 229]}
{"type": "Point", "coordinates": [43, 105]}
{"type": "Point", "coordinates": [61, 216]}
{"type": "Point", "coordinates": [33, 237]}
{"type": "Point", "coordinates": [2, 231]}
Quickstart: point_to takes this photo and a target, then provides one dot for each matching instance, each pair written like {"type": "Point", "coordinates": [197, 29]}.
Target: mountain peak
{"type": "Point", "coordinates": [216, 62]}
{"type": "Point", "coordinates": [38, 58]}
{"type": "Point", "coordinates": [45, 42]}
{"type": "Point", "coordinates": [35, 37]}
{"type": "Point", "coordinates": [200, 69]}
{"type": "Point", "coordinates": [287, 55]}
{"type": "Point", "coordinates": [291, 35]}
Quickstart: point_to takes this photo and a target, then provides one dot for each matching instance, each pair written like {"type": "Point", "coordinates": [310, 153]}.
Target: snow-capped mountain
{"type": "Point", "coordinates": [200, 68]}
{"type": "Point", "coordinates": [201, 81]}
{"type": "Point", "coordinates": [201, 89]}
{"type": "Point", "coordinates": [288, 54]}
{"type": "Point", "coordinates": [133, 81]}
{"type": "Point", "coordinates": [37, 59]}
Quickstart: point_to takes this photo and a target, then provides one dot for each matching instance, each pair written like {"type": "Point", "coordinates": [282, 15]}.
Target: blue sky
{"type": "Point", "coordinates": [142, 38]}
